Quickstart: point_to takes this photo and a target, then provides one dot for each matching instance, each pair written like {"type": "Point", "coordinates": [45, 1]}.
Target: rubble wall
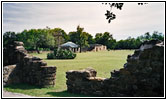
{"type": "Point", "coordinates": [19, 67]}
{"type": "Point", "coordinates": [142, 76]}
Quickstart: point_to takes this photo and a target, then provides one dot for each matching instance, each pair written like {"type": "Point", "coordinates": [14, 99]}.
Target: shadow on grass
{"type": "Point", "coordinates": [22, 86]}
{"type": "Point", "coordinates": [58, 59]}
{"type": "Point", "coordinates": [65, 94]}
{"type": "Point", "coordinates": [19, 88]}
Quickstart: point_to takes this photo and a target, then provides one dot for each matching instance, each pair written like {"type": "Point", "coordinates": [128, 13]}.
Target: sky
{"type": "Point", "coordinates": [133, 20]}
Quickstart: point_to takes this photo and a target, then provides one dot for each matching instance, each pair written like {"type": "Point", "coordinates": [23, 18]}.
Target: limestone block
{"type": "Point", "coordinates": [29, 69]}
{"type": "Point", "coordinates": [18, 43]}
{"type": "Point", "coordinates": [10, 75]}
{"type": "Point", "coordinates": [82, 73]}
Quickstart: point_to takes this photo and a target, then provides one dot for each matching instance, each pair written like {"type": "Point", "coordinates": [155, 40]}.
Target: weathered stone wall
{"type": "Point", "coordinates": [10, 75]}
{"type": "Point", "coordinates": [142, 76]}
{"type": "Point", "coordinates": [13, 53]}
{"type": "Point", "coordinates": [26, 69]}
{"type": "Point", "coordinates": [84, 82]}
{"type": "Point", "coordinates": [99, 48]}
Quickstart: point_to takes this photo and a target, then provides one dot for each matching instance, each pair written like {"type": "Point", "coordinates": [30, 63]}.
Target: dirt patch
{"type": "Point", "coordinates": [10, 94]}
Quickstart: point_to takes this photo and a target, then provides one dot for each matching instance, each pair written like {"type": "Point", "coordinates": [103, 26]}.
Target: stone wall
{"type": "Point", "coordinates": [10, 75]}
{"type": "Point", "coordinates": [13, 53]}
{"type": "Point", "coordinates": [84, 82]}
{"type": "Point", "coordinates": [19, 67]}
{"type": "Point", "coordinates": [99, 48]}
{"type": "Point", "coordinates": [142, 76]}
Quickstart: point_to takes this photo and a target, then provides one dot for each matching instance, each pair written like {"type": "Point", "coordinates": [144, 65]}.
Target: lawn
{"type": "Point", "coordinates": [103, 62]}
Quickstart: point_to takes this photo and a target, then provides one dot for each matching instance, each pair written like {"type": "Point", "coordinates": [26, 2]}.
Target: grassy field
{"type": "Point", "coordinates": [103, 62]}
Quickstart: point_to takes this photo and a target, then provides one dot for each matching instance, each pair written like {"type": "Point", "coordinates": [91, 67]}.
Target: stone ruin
{"type": "Point", "coordinates": [142, 76]}
{"type": "Point", "coordinates": [19, 67]}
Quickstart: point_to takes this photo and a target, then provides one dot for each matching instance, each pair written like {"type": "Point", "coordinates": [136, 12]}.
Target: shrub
{"type": "Point", "coordinates": [61, 54]}
{"type": "Point", "coordinates": [50, 56]}
{"type": "Point", "coordinates": [55, 52]}
{"type": "Point", "coordinates": [46, 49]}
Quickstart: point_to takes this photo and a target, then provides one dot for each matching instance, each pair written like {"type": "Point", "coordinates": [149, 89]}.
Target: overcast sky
{"type": "Point", "coordinates": [133, 20]}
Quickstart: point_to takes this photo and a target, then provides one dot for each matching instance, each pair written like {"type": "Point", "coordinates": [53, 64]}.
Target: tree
{"type": "Point", "coordinates": [59, 35]}
{"type": "Point", "coordinates": [79, 37]}
{"type": "Point", "coordinates": [98, 38]}
{"type": "Point", "coordinates": [48, 39]}
{"type": "Point", "coordinates": [147, 36]}
{"type": "Point", "coordinates": [157, 36]}
{"type": "Point", "coordinates": [8, 38]}
{"type": "Point", "coordinates": [34, 39]}
{"type": "Point", "coordinates": [106, 39]}
{"type": "Point", "coordinates": [91, 40]}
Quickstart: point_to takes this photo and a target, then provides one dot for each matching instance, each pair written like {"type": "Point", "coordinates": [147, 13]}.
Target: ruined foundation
{"type": "Point", "coordinates": [19, 67]}
{"type": "Point", "coordinates": [142, 76]}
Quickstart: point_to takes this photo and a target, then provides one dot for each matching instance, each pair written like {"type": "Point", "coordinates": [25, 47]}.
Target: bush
{"type": "Point", "coordinates": [55, 52]}
{"type": "Point", "coordinates": [45, 49]}
{"type": "Point", "coordinates": [61, 54]}
{"type": "Point", "coordinates": [50, 56]}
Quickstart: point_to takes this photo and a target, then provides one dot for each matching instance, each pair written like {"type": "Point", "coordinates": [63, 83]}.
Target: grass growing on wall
{"type": "Point", "coordinates": [103, 62]}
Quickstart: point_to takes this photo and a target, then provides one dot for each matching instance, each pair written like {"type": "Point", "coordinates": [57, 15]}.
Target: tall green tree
{"type": "Point", "coordinates": [36, 38]}
{"type": "Point", "coordinates": [79, 37]}
{"type": "Point", "coordinates": [98, 38]}
{"type": "Point", "coordinates": [105, 39]}
{"type": "Point", "coordinates": [59, 35]}
{"type": "Point", "coordinates": [91, 40]}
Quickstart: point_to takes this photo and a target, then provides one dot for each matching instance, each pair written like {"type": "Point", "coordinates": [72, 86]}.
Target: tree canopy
{"type": "Point", "coordinates": [80, 37]}
{"type": "Point", "coordinates": [106, 39]}
{"type": "Point", "coordinates": [48, 39]}
{"type": "Point", "coordinates": [36, 38]}
{"type": "Point", "coordinates": [59, 35]}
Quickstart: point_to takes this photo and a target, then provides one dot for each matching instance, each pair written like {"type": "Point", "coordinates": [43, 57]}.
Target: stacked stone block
{"type": "Point", "coordinates": [142, 76]}
{"type": "Point", "coordinates": [10, 75]}
{"type": "Point", "coordinates": [27, 69]}
{"type": "Point", "coordinates": [13, 53]}
{"type": "Point", "coordinates": [84, 82]}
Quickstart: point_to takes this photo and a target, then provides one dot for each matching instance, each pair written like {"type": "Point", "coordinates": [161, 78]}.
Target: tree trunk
{"type": "Point", "coordinates": [80, 48]}
{"type": "Point", "coordinates": [37, 50]}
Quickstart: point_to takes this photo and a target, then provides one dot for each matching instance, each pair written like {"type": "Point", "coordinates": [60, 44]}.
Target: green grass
{"type": "Point", "coordinates": [103, 62]}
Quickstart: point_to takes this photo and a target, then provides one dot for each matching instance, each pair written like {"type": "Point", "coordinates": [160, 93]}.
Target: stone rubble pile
{"type": "Point", "coordinates": [22, 68]}
{"type": "Point", "coordinates": [142, 76]}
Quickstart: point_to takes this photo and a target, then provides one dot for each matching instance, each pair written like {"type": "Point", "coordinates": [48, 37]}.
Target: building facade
{"type": "Point", "coordinates": [97, 47]}
{"type": "Point", "coordinates": [70, 46]}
